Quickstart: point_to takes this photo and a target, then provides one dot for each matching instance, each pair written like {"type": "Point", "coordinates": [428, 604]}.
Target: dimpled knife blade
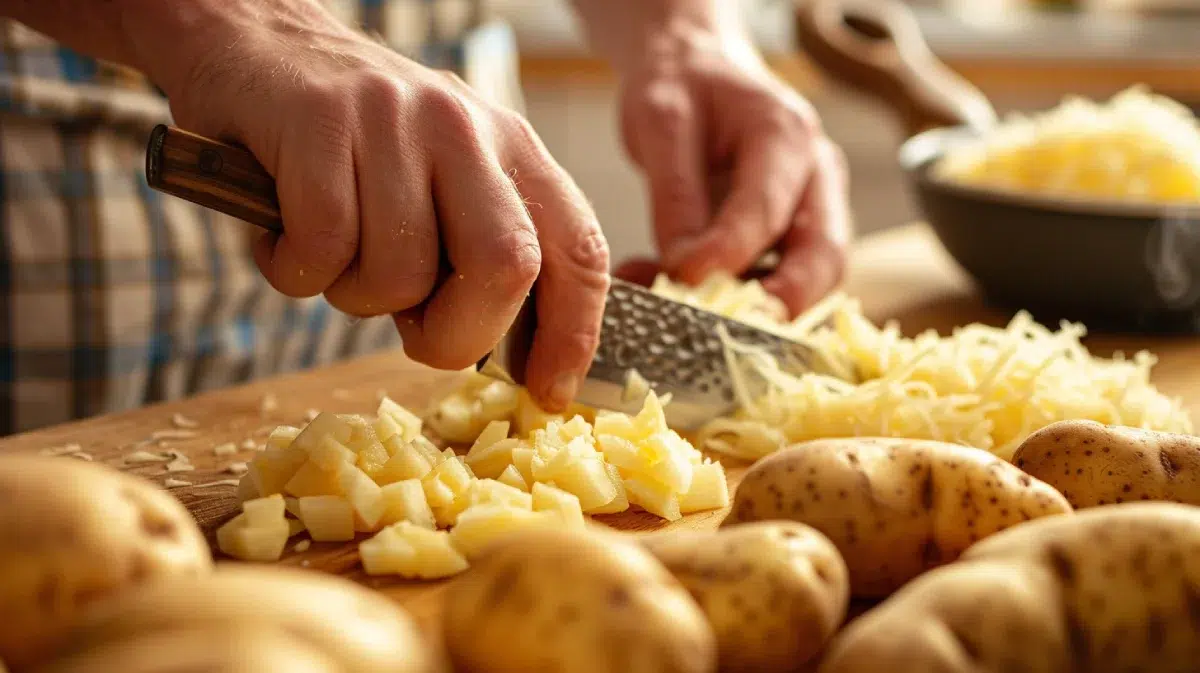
{"type": "Point", "coordinates": [674, 346]}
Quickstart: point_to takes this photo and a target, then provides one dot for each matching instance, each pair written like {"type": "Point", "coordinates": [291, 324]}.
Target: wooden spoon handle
{"type": "Point", "coordinates": [216, 175]}
{"type": "Point", "coordinates": [876, 47]}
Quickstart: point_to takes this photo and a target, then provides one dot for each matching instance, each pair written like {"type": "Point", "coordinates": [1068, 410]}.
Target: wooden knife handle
{"type": "Point", "coordinates": [876, 47]}
{"type": "Point", "coordinates": [214, 174]}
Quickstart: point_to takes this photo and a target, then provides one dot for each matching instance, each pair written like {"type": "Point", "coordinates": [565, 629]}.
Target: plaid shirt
{"type": "Point", "coordinates": [112, 295]}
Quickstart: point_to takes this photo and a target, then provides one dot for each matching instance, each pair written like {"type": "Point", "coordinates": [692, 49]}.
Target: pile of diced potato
{"type": "Point", "coordinates": [433, 510]}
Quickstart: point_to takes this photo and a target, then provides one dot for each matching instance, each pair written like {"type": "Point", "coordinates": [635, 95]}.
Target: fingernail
{"type": "Point", "coordinates": [562, 391]}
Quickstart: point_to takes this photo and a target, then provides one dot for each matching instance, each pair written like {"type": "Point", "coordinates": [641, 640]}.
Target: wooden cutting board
{"type": "Point", "coordinates": [902, 274]}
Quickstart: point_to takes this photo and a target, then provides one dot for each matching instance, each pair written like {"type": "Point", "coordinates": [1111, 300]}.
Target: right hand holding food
{"type": "Point", "coordinates": [402, 191]}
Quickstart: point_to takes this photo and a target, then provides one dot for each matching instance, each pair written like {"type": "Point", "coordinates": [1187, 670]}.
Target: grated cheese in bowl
{"type": "Point", "coordinates": [1137, 147]}
{"type": "Point", "coordinates": [981, 386]}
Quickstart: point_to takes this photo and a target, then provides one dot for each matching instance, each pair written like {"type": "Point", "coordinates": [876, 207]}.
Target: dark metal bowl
{"type": "Point", "coordinates": [1114, 266]}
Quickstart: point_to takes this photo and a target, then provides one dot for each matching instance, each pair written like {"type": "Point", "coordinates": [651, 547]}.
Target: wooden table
{"type": "Point", "coordinates": [901, 274]}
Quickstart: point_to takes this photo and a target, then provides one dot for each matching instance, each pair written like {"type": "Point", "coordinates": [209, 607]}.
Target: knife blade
{"type": "Point", "coordinates": [675, 346]}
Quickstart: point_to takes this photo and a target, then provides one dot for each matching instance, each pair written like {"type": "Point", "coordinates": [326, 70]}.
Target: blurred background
{"type": "Point", "coordinates": [1024, 54]}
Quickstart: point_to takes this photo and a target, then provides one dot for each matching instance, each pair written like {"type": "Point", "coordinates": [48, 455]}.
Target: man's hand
{"type": "Point", "coordinates": [401, 191]}
{"type": "Point", "coordinates": [701, 113]}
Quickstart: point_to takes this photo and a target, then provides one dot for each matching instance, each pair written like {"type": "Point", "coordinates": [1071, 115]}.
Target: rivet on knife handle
{"type": "Point", "coordinates": [213, 174]}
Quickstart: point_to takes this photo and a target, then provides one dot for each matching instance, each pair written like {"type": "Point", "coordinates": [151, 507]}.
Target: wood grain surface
{"type": "Point", "coordinates": [901, 274]}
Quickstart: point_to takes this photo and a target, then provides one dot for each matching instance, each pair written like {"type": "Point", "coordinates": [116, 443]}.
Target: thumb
{"type": "Point", "coordinates": [663, 134]}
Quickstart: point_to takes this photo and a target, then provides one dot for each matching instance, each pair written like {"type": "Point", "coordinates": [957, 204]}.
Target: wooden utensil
{"type": "Point", "coordinates": [1113, 265]}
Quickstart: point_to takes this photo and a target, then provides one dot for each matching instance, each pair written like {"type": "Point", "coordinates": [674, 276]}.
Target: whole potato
{"type": "Point", "coordinates": [1111, 589]}
{"type": "Point", "coordinates": [1095, 464]}
{"type": "Point", "coordinates": [334, 618]}
{"type": "Point", "coordinates": [73, 533]}
{"type": "Point", "coordinates": [774, 592]}
{"type": "Point", "coordinates": [573, 600]}
{"type": "Point", "coordinates": [893, 507]}
{"type": "Point", "coordinates": [211, 650]}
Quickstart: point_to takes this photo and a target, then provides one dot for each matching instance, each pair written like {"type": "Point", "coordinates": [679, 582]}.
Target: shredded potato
{"type": "Point", "coordinates": [981, 386]}
{"type": "Point", "coordinates": [1135, 147]}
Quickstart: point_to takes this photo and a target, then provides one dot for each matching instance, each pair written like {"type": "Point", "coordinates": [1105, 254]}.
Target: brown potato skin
{"type": "Point", "coordinates": [573, 600]}
{"type": "Point", "coordinates": [775, 592]}
{"type": "Point", "coordinates": [1108, 590]}
{"type": "Point", "coordinates": [336, 618]}
{"type": "Point", "coordinates": [240, 649]}
{"type": "Point", "coordinates": [1093, 464]}
{"type": "Point", "coordinates": [893, 507]}
{"type": "Point", "coordinates": [74, 533]}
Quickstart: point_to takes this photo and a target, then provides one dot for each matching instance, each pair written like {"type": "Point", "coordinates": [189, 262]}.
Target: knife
{"type": "Point", "coordinates": [676, 347]}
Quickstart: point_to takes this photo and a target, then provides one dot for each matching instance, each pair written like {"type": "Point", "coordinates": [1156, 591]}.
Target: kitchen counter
{"type": "Point", "coordinates": [901, 274]}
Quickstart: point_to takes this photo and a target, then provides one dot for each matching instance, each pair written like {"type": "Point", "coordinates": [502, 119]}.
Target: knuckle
{"type": "Point", "coordinates": [667, 103]}
{"type": "Point", "coordinates": [517, 262]}
{"type": "Point", "coordinates": [380, 93]}
{"type": "Point", "coordinates": [450, 112]}
{"type": "Point", "coordinates": [589, 252]}
{"type": "Point", "coordinates": [453, 77]}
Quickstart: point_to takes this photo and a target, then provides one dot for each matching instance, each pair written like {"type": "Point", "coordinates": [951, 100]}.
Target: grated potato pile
{"type": "Point", "coordinates": [981, 386]}
{"type": "Point", "coordinates": [1135, 147]}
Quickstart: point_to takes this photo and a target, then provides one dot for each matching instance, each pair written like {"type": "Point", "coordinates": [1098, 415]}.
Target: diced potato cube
{"type": "Point", "coordinates": [529, 416]}
{"type": "Point", "coordinates": [324, 425]}
{"type": "Point", "coordinates": [522, 459]}
{"type": "Point", "coordinates": [497, 400]}
{"type": "Point", "coordinates": [651, 419]}
{"type": "Point", "coordinates": [311, 480]}
{"type": "Point", "coordinates": [494, 432]}
{"type": "Point", "coordinates": [576, 427]}
{"type": "Point", "coordinates": [653, 497]}
{"type": "Point", "coordinates": [330, 454]}
{"type": "Point", "coordinates": [292, 506]}
{"type": "Point", "coordinates": [548, 498]}
{"type": "Point", "coordinates": [547, 442]}
{"type": "Point", "coordinates": [624, 453]}
{"type": "Point", "coordinates": [411, 552]}
{"type": "Point", "coordinates": [616, 425]}
{"type": "Point", "coordinates": [365, 497]}
{"type": "Point", "coordinates": [455, 419]}
{"type": "Point", "coordinates": [491, 461]}
{"type": "Point", "coordinates": [674, 470]}
{"type": "Point", "coordinates": [423, 446]}
{"type": "Point", "coordinates": [586, 477]}
{"type": "Point", "coordinates": [372, 458]}
{"type": "Point", "coordinates": [272, 469]}
{"type": "Point", "coordinates": [386, 428]}
{"type": "Point", "coordinates": [406, 419]}
{"type": "Point", "coordinates": [512, 477]}
{"type": "Point", "coordinates": [406, 462]}
{"type": "Point", "coordinates": [492, 492]}
{"type": "Point", "coordinates": [538, 467]}
{"type": "Point", "coordinates": [328, 518]}
{"type": "Point", "coordinates": [492, 449]}
{"type": "Point", "coordinates": [445, 481]}
{"type": "Point", "coordinates": [481, 525]}
{"type": "Point", "coordinates": [588, 414]}
{"type": "Point", "coordinates": [262, 543]}
{"type": "Point", "coordinates": [446, 516]}
{"type": "Point", "coordinates": [282, 437]}
{"type": "Point", "coordinates": [263, 511]}
{"type": "Point", "coordinates": [405, 501]}
{"type": "Point", "coordinates": [619, 503]}
{"type": "Point", "coordinates": [710, 489]}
